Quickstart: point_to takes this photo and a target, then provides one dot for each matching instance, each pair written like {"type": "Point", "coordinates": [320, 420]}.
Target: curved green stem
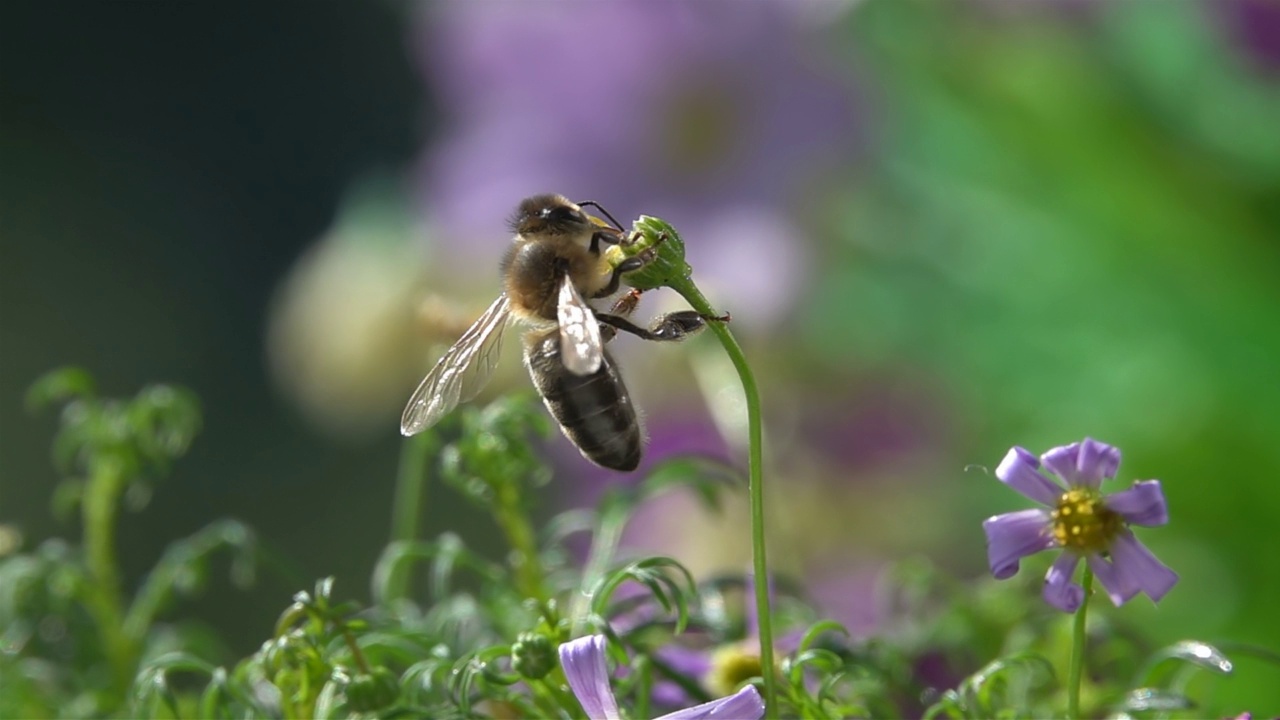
{"type": "Point", "coordinates": [100, 508]}
{"type": "Point", "coordinates": [603, 547]}
{"type": "Point", "coordinates": [411, 493]}
{"type": "Point", "coordinates": [350, 639]}
{"type": "Point", "coordinates": [755, 439]}
{"type": "Point", "coordinates": [1078, 640]}
{"type": "Point", "coordinates": [522, 538]}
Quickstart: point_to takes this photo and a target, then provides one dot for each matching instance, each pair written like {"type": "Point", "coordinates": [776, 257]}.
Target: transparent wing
{"type": "Point", "coordinates": [461, 372]}
{"type": "Point", "coordinates": [581, 349]}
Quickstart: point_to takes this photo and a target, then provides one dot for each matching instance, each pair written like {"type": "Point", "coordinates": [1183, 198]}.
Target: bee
{"type": "Point", "coordinates": [554, 266]}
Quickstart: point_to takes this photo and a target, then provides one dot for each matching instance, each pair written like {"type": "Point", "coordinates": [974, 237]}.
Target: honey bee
{"type": "Point", "coordinates": [554, 266]}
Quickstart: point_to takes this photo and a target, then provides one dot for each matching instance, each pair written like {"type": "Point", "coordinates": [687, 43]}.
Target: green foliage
{"type": "Point", "coordinates": [1063, 231]}
{"type": "Point", "coordinates": [480, 637]}
{"type": "Point", "coordinates": [74, 640]}
{"type": "Point", "coordinates": [484, 636]}
{"type": "Point", "coordinates": [138, 438]}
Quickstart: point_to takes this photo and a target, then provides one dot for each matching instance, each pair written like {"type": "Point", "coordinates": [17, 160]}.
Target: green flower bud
{"type": "Point", "coordinates": [667, 266]}
{"type": "Point", "coordinates": [533, 656]}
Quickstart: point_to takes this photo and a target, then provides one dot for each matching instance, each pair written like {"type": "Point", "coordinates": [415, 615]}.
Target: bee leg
{"type": "Point", "coordinates": [626, 304]}
{"type": "Point", "coordinates": [667, 328]}
{"type": "Point", "coordinates": [624, 267]}
{"type": "Point", "coordinates": [681, 324]}
{"type": "Point", "coordinates": [607, 236]}
{"type": "Point", "coordinates": [632, 263]}
{"type": "Point", "coordinates": [634, 238]}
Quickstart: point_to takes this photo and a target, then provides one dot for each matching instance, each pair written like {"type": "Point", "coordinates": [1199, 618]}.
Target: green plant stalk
{"type": "Point", "coordinates": [603, 547]}
{"type": "Point", "coordinates": [755, 439]}
{"type": "Point", "coordinates": [1078, 639]}
{"type": "Point", "coordinates": [409, 505]}
{"type": "Point", "coordinates": [515, 524]}
{"type": "Point", "coordinates": [99, 509]}
{"type": "Point", "coordinates": [559, 699]}
{"type": "Point", "coordinates": [354, 647]}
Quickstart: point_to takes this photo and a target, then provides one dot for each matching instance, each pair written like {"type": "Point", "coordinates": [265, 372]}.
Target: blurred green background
{"type": "Point", "coordinates": [943, 228]}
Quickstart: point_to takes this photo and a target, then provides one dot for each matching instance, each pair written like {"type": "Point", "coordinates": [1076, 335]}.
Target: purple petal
{"type": "Point", "coordinates": [1013, 536]}
{"type": "Point", "coordinates": [1061, 461]}
{"type": "Point", "coordinates": [1133, 560]}
{"type": "Point", "coordinates": [1059, 591]}
{"type": "Point", "coordinates": [1142, 504]}
{"type": "Point", "coordinates": [1019, 470]}
{"type": "Point", "coordinates": [746, 704]}
{"type": "Point", "coordinates": [1083, 464]}
{"type": "Point", "coordinates": [584, 666]}
{"type": "Point", "coordinates": [1118, 585]}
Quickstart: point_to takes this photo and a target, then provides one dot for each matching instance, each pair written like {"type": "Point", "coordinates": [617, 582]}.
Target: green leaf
{"type": "Point", "coordinates": [1171, 668]}
{"type": "Point", "coordinates": [655, 574]}
{"type": "Point", "coordinates": [1153, 700]}
{"type": "Point", "coordinates": [58, 386]}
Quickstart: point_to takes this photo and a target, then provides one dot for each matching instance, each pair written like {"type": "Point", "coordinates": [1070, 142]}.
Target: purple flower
{"type": "Point", "coordinates": [584, 666]}
{"type": "Point", "coordinates": [1254, 26]}
{"type": "Point", "coordinates": [1081, 521]}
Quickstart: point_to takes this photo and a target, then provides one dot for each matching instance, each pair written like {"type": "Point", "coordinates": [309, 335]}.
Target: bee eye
{"type": "Point", "coordinates": [562, 214]}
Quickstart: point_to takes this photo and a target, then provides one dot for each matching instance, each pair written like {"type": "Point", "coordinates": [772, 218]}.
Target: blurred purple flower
{"type": "Point", "coordinates": [679, 432]}
{"type": "Point", "coordinates": [711, 115]}
{"type": "Point", "coordinates": [584, 666]}
{"type": "Point", "coordinates": [1255, 27]}
{"type": "Point", "coordinates": [846, 590]}
{"type": "Point", "coordinates": [1081, 521]}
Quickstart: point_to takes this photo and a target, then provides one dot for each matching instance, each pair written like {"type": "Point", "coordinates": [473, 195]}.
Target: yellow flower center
{"type": "Point", "coordinates": [731, 666]}
{"type": "Point", "coordinates": [1082, 521]}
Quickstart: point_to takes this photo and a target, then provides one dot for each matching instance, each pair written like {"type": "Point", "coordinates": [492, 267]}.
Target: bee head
{"type": "Point", "coordinates": [549, 215]}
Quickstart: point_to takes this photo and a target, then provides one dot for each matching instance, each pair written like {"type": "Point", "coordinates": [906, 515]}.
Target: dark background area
{"type": "Point", "coordinates": [165, 163]}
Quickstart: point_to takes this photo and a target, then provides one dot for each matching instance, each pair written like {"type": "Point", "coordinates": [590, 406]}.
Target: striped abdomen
{"type": "Point", "coordinates": [594, 411]}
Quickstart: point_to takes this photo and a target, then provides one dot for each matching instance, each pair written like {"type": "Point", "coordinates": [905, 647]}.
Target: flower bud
{"type": "Point", "coordinates": [668, 264]}
{"type": "Point", "coordinates": [533, 656]}
{"type": "Point", "coordinates": [368, 692]}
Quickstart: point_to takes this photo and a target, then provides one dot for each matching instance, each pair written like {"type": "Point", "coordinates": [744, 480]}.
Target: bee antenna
{"type": "Point", "coordinates": [596, 205]}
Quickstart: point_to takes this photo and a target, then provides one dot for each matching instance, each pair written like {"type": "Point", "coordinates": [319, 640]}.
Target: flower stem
{"type": "Point", "coordinates": [509, 514]}
{"type": "Point", "coordinates": [411, 493]}
{"type": "Point", "coordinates": [1078, 640]}
{"type": "Point", "coordinates": [100, 507]}
{"type": "Point", "coordinates": [695, 298]}
{"type": "Point", "coordinates": [603, 548]}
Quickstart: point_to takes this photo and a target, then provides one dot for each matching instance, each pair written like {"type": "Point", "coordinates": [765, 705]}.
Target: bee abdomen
{"type": "Point", "coordinates": [594, 411]}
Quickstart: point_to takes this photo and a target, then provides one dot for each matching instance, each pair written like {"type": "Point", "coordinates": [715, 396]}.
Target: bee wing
{"type": "Point", "coordinates": [461, 372]}
{"type": "Point", "coordinates": [581, 349]}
